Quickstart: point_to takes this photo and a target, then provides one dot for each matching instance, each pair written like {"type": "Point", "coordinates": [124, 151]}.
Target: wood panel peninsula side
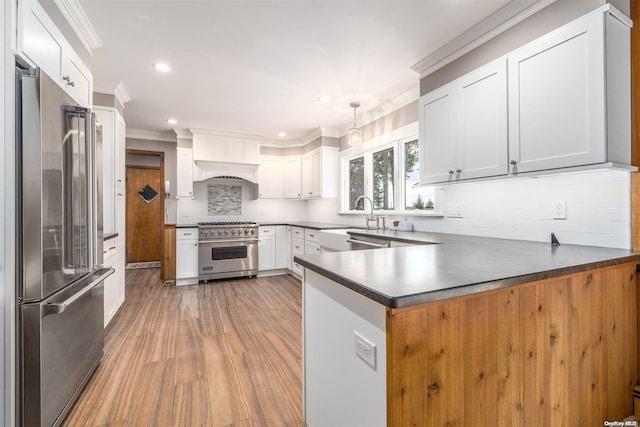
{"type": "Point", "coordinates": [551, 343]}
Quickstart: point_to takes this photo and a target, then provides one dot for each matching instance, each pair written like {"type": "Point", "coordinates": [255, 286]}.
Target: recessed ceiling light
{"type": "Point", "coordinates": [324, 98]}
{"type": "Point", "coordinates": [282, 134]}
{"type": "Point", "coordinates": [172, 121]}
{"type": "Point", "coordinates": [163, 67]}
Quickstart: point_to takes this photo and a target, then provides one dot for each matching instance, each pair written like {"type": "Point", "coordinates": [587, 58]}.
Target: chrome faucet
{"type": "Point", "coordinates": [371, 217]}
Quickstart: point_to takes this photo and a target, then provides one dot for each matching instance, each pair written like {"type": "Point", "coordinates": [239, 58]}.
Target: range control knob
{"type": "Point", "coordinates": [246, 231]}
{"type": "Point", "coordinates": [253, 232]}
{"type": "Point", "coordinates": [226, 232]}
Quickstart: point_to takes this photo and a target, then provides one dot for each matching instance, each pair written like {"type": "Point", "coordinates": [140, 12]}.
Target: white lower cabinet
{"type": "Point", "coordinates": [272, 248]}
{"type": "Point", "coordinates": [186, 256]}
{"type": "Point", "coordinates": [281, 252]}
{"type": "Point", "coordinates": [297, 248]}
{"type": "Point", "coordinates": [114, 285]}
{"type": "Point", "coordinates": [267, 248]}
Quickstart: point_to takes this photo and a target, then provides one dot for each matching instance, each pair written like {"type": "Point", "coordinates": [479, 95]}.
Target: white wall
{"type": "Point", "coordinates": [259, 210]}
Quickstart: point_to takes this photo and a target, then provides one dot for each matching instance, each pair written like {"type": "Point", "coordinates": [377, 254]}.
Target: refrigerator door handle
{"type": "Point", "coordinates": [60, 307]}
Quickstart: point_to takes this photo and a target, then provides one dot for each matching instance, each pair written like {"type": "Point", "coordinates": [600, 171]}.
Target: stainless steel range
{"type": "Point", "coordinates": [227, 249]}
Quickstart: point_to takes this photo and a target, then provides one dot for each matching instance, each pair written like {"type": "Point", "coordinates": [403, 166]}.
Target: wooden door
{"type": "Point", "coordinates": [144, 213]}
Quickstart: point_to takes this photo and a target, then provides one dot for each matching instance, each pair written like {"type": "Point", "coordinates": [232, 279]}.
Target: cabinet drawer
{"type": "Point", "coordinates": [187, 234]}
{"type": "Point", "coordinates": [297, 247]}
{"type": "Point", "coordinates": [267, 230]}
{"type": "Point", "coordinates": [312, 248]}
{"type": "Point", "coordinates": [311, 235]}
{"type": "Point", "coordinates": [297, 232]}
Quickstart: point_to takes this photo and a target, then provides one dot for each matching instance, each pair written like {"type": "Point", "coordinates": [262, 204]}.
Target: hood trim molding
{"type": "Point", "coordinates": [205, 170]}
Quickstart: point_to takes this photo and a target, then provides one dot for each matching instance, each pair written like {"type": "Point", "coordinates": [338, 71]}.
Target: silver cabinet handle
{"type": "Point", "coordinates": [458, 170]}
{"type": "Point", "coordinates": [59, 307]}
{"type": "Point", "coordinates": [450, 171]}
{"type": "Point", "coordinates": [513, 162]}
{"type": "Point", "coordinates": [362, 242]}
{"type": "Point", "coordinates": [69, 81]}
{"type": "Point", "coordinates": [312, 235]}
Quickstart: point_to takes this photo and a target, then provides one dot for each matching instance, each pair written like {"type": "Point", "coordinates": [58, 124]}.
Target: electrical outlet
{"type": "Point", "coordinates": [262, 212]}
{"type": "Point", "coordinates": [454, 210]}
{"type": "Point", "coordinates": [559, 209]}
{"type": "Point", "coordinates": [365, 349]}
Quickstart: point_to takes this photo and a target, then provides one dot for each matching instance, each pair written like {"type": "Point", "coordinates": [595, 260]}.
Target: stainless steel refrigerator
{"type": "Point", "coordinates": [60, 281]}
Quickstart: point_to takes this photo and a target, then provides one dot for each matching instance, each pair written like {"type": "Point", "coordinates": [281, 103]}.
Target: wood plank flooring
{"type": "Point", "coordinates": [225, 353]}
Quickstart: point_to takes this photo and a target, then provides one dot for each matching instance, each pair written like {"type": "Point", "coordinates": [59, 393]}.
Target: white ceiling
{"type": "Point", "coordinates": [258, 67]}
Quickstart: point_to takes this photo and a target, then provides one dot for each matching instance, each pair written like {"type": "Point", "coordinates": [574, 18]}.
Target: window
{"type": "Point", "coordinates": [415, 197]}
{"type": "Point", "coordinates": [356, 182]}
{"type": "Point", "coordinates": [388, 174]}
{"type": "Point", "coordinates": [383, 179]}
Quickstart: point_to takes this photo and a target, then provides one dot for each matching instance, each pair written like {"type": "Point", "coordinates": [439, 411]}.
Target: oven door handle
{"type": "Point", "coordinates": [228, 241]}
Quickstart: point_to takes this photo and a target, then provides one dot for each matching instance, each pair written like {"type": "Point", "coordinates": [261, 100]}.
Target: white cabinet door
{"type": "Point", "coordinates": [186, 254]}
{"type": "Point", "coordinates": [44, 45]}
{"type": "Point", "coordinates": [289, 237]}
{"type": "Point", "coordinates": [267, 247]}
{"type": "Point", "coordinates": [307, 176]}
{"type": "Point", "coordinates": [282, 251]}
{"type": "Point", "coordinates": [316, 173]}
{"type": "Point", "coordinates": [463, 127]}
{"type": "Point", "coordinates": [481, 148]}
{"type": "Point", "coordinates": [437, 135]}
{"type": "Point", "coordinates": [270, 177]}
{"type": "Point", "coordinates": [557, 98]}
{"type": "Point", "coordinates": [184, 172]}
{"type": "Point", "coordinates": [292, 177]}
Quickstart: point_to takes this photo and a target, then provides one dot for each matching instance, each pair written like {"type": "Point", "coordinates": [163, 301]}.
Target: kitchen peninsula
{"type": "Point", "coordinates": [469, 331]}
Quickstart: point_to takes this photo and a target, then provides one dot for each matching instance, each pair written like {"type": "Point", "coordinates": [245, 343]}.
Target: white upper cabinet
{"type": "Point", "coordinates": [320, 173]}
{"type": "Point", "coordinates": [463, 127]}
{"type": "Point", "coordinates": [292, 177]}
{"type": "Point", "coordinates": [224, 149]}
{"type": "Point", "coordinates": [184, 172]}
{"type": "Point", "coordinates": [42, 44]}
{"type": "Point", "coordinates": [569, 95]}
{"type": "Point", "coordinates": [270, 177]}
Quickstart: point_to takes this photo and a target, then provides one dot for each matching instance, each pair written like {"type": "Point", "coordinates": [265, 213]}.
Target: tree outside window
{"type": "Point", "coordinates": [356, 182]}
{"type": "Point", "coordinates": [415, 197]}
{"type": "Point", "coordinates": [383, 179]}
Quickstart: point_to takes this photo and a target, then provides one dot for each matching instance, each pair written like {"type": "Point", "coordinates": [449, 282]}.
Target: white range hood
{"type": "Point", "coordinates": [224, 155]}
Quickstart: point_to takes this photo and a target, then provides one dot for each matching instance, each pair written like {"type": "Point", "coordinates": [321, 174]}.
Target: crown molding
{"type": "Point", "coordinates": [150, 135]}
{"type": "Point", "coordinates": [183, 133]}
{"type": "Point", "coordinates": [403, 99]}
{"type": "Point", "coordinates": [80, 24]}
{"type": "Point", "coordinates": [492, 26]}
{"type": "Point", "coordinates": [310, 137]}
{"type": "Point", "coordinates": [112, 88]}
{"type": "Point", "coordinates": [224, 133]}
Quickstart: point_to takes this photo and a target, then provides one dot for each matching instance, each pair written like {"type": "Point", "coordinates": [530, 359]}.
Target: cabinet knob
{"type": "Point", "coordinates": [69, 81]}
{"type": "Point", "coordinates": [458, 170]}
{"type": "Point", "coordinates": [260, 194]}
{"type": "Point", "coordinates": [513, 162]}
{"type": "Point", "coordinates": [450, 171]}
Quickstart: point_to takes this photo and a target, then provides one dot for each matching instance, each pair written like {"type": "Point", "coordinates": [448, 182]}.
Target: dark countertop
{"type": "Point", "coordinates": [455, 265]}
{"type": "Point", "coordinates": [109, 236]}
{"type": "Point", "coordinates": [311, 224]}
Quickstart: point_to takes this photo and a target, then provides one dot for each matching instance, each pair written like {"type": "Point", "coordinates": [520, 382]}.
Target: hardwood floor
{"type": "Point", "coordinates": [225, 353]}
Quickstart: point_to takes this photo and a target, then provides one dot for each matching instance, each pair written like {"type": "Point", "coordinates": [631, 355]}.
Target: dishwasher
{"type": "Point", "coordinates": [368, 242]}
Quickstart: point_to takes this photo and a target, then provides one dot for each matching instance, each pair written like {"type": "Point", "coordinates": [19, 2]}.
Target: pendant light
{"type": "Point", "coordinates": [355, 134]}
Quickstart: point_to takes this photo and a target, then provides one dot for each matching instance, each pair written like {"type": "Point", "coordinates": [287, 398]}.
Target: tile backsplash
{"type": "Point", "coordinates": [224, 199]}
{"type": "Point", "coordinates": [597, 207]}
